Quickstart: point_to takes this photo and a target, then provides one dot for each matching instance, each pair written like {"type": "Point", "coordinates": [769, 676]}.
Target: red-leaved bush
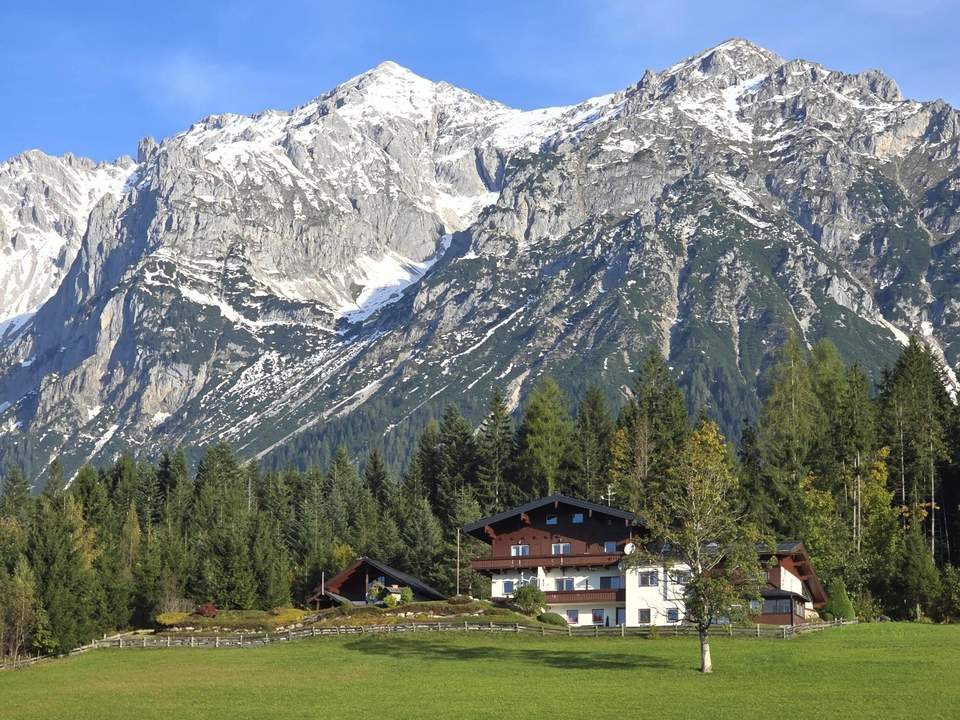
{"type": "Point", "coordinates": [208, 609]}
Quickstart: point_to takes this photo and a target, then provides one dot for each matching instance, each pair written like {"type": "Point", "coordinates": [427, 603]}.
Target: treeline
{"type": "Point", "coordinates": [867, 478]}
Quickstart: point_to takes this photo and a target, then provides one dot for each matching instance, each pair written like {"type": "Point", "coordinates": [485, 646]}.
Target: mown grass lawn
{"type": "Point", "coordinates": [867, 671]}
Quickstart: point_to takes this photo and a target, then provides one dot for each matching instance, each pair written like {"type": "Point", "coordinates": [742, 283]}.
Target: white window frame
{"type": "Point", "coordinates": [561, 545]}
{"type": "Point", "coordinates": [520, 550]}
{"type": "Point", "coordinates": [593, 616]}
{"type": "Point", "coordinates": [513, 587]}
{"type": "Point", "coordinates": [647, 575]}
{"type": "Point", "coordinates": [649, 620]}
{"type": "Point", "coordinates": [607, 546]}
{"type": "Point", "coordinates": [672, 611]}
{"type": "Point", "coordinates": [575, 620]}
{"type": "Point", "coordinates": [574, 518]}
{"type": "Point", "coordinates": [557, 581]}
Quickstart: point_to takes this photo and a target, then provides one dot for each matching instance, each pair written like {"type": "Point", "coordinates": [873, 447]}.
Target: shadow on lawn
{"type": "Point", "coordinates": [401, 648]}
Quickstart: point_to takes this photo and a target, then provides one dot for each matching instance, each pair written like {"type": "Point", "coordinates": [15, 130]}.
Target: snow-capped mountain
{"type": "Point", "coordinates": [44, 205]}
{"type": "Point", "coordinates": [338, 272]}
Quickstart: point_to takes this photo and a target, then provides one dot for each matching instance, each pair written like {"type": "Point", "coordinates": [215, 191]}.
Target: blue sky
{"type": "Point", "coordinates": [93, 77]}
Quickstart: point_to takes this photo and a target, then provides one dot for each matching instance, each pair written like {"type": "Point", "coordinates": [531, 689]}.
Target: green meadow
{"type": "Point", "coordinates": [869, 671]}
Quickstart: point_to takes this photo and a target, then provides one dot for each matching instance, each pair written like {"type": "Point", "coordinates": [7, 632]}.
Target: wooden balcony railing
{"type": "Point", "coordinates": [545, 561]}
{"type": "Point", "coordinates": [575, 596]}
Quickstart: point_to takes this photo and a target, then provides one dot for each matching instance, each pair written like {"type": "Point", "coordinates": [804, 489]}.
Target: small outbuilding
{"type": "Point", "coordinates": [352, 586]}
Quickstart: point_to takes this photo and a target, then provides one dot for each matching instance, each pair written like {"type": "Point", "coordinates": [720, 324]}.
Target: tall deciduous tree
{"type": "Point", "coordinates": [696, 521]}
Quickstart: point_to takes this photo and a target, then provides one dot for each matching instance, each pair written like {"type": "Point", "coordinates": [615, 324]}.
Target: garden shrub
{"type": "Point", "coordinates": [529, 598]}
{"type": "Point", "coordinates": [208, 610]}
{"type": "Point", "coordinates": [406, 595]}
{"type": "Point", "coordinates": [173, 618]}
{"type": "Point", "coordinates": [550, 618]}
{"type": "Point", "coordinates": [390, 600]}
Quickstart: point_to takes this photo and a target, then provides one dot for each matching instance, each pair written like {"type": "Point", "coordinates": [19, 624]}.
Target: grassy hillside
{"type": "Point", "coordinates": [890, 671]}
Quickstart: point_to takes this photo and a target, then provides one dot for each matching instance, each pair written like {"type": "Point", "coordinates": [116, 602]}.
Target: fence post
{"type": "Point", "coordinates": [730, 629]}
{"type": "Point", "coordinates": [596, 631]}
{"type": "Point", "coordinates": [516, 627]}
{"type": "Point", "coordinates": [193, 641]}
{"type": "Point", "coordinates": [784, 632]}
{"type": "Point", "coordinates": [569, 631]}
{"type": "Point", "coordinates": [623, 630]}
{"type": "Point", "coordinates": [168, 641]}
{"type": "Point", "coordinates": [121, 642]}
{"type": "Point", "coordinates": [758, 629]}
{"type": "Point", "coordinates": [313, 631]}
{"type": "Point", "coordinates": [241, 639]}
{"type": "Point", "coordinates": [144, 640]}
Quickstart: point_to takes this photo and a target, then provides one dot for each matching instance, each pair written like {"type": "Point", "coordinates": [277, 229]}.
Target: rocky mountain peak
{"type": "Point", "coordinates": [339, 271]}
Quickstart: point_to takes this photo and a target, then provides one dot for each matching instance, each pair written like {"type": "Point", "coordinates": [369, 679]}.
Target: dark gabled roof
{"type": "Point", "coordinates": [770, 592]}
{"type": "Point", "coordinates": [415, 584]}
{"type": "Point", "coordinates": [782, 547]}
{"type": "Point", "coordinates": [540, 502]}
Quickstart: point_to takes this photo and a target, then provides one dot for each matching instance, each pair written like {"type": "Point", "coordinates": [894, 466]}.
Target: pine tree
{"type": "Point", "coordinates": [495, 450]}
{"type": "Point", "coordinates": [173, 484]}
{"type": "Point", "coordinates": [651, 429]}
{"type": "Point", "coordinates": [916, 418]}
{"type": "Point", "coordinates": [377, 479]}
{"type": "Point", "coordinates": [62, 550]}
{"type": "Point", "coordinates": [55, 481]}
{"type": "Point", "coordinates": [792, 421]}
{"type": "Point", "coordinates": [422, 540]}
{"type": "Point", "coordinates": [458, 464]}
{"type": "Point", "coordinates": [15, 498]}
{"type": "Point", "coordinates": [592, 436]}
{"type": "Point", "coordinates": [543, 439]}
{"type": "Point", "coordinates": [917, 580]}
{"type": "Point", "coordinates": [854, 428]}
{"type": "Point", "coordinates": [270, 565]}
{"type": "Point", "coordinates": [90, 489]}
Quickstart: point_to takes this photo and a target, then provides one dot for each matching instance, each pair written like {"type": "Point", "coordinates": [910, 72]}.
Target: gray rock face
{"type": "Point", "coordinates": [44, 206]}
{"type": "Point", "coordinates": [341, 270]}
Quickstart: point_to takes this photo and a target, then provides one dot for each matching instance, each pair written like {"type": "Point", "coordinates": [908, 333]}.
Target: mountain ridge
{"type": "Point", "coordinates": [335, 271]}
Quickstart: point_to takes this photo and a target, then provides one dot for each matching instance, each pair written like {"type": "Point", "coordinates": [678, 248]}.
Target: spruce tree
{"type": "Point", "coordinates": [62, 550]}
{"type": "Point", "coordinates": [15, 498]}
{"type": "Point", "coordinates": [592, 436]}
{"type": "Point", "coordinates": [495, 450]}
{"type": "Point", "coordinates": [377, 478]}
{"type": "Point", "coordinates": [543, 439]}
{"type": "Point", "coordinates": [792, 422]}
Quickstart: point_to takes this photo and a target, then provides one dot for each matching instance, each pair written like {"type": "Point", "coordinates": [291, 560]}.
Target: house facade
{"type": "Point", "coordinates": [575, 551]}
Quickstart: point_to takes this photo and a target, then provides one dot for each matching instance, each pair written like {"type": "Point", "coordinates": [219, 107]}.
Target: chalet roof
{"type": "Point", "coordinates": [415, 584]}
{"type": "Point", "coordinates": [782, 547]}
{"type": "Point", "coordinates": [771, 593]}
{"type": "Point", "coordinates": [541, 502]}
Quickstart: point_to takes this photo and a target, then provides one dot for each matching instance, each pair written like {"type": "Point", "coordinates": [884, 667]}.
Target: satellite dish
{"type": "Point", "coordinates": [629, 548]}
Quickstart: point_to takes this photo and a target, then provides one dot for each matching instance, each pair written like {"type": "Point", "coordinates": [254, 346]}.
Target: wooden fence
{"type": "Point", "coordinates": [145, 640]}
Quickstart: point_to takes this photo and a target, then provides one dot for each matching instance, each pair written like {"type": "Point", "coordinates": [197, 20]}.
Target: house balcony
{"type": "Point", "coordinates": [559, 597]}
{"type": "Point", "coordinates": [531, 562]}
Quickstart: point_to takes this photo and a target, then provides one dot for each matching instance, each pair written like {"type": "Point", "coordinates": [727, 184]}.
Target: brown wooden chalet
{"type": "Point", "coordinates": [352, 585]}
{"type": "Point", "coordinates": [556, 533]}
{"type": "Point", "coordinates": [793, 588]}
{"type": "Point", "coordinates": [573, 550]}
